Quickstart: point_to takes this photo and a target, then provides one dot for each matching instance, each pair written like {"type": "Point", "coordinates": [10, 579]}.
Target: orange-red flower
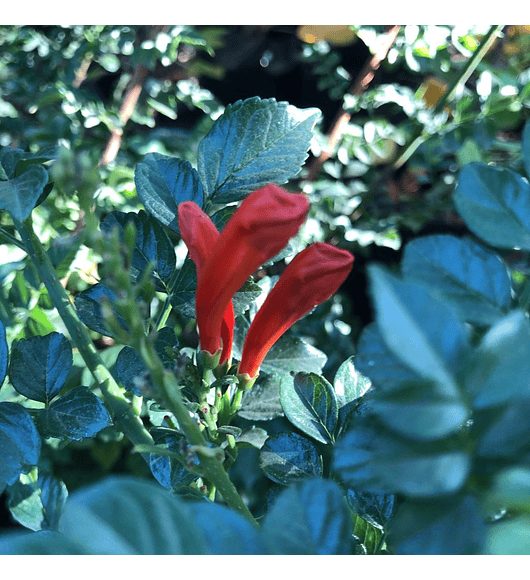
{"type": "Point", "coordinates": [200, 235]}
{"type": "Point", "coordinates": [312, 277]}
{"type": "Point", "coordinates": [258, 230]}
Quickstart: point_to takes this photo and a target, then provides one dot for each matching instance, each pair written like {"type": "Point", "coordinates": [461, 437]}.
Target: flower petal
{"type": "Point", "coordinates": [310, 279]}
{"type": "Point", "coordinates": [255, 233]}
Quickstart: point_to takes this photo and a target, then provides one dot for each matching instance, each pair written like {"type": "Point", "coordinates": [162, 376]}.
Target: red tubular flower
{"type": "Point", "coordinates": [200, 235]}
{"type": "Point", "coordinates": [312, 277]}
{"type": "Point", "coordinates": [256, 232]}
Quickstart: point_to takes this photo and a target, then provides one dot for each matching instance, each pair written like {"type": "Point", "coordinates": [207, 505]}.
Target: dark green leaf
{"type": "Point", "coordinates": [88, 305]}
{"type": "Point", "coordinates": [20, 195]}
{"type": "Point", "coordinates": [255, 142]}
{"type": "Point", "coordinates": [309, 402]}
{"type": "Point", "coordinates": [443, 527]}
{"type": "Point", "coordinates": [493, 201]}
{"type": "Point", "coordinates": [152, 245]}
{"type": "Point", "coordinates": [368, 458]}
{"type": "Point", "coordinates": [375, 508]}
{"type": "Point", "coordinates": [288, 457]}
{"type": "Point", "coordinates": [375, 360]}
{"type": "Point", "coordinates": [501, 370]}
{"type": "Point", "coordinates": [262, 402]}
{"type": "Point", "coordinates": [4, 354]}
{"type": "Point", "coordinates": [37, 503]}
{"type": "Point", "coordinates": [311, 517]}
{"type": "Point", "coordinates": [44, 542]}
{"type": "Point", "coordinates": [225, 531]}
{"type": "Point", "coordinates": [133, 373]}
{"type": "Point", "coordinates": [126, 515]}
{"type": "Point", "coordinates": [349, 384]}
{"type": "Point", "coordinates": [163, 182]}
{"type": "Point", "coordinates": [19, 442]}
{"type": "Point", "coordinates": [168, 471]}
{"type": "Point", "coordinates": [472, 278]}
{"type": "Point", "coordinates": [77, 415]}
{"type": "Point", "coordinates": [39, 366]}
{"type": "Point", "coordinates": [419, 329]}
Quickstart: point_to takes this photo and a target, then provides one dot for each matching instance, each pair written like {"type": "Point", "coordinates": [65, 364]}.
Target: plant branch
{"type": "Point", "coordinates": [364, 78]}
{"type": "Point", "coordinates": [113, 396]}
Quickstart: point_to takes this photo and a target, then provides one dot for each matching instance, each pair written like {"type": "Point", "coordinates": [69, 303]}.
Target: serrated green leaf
{"type": "Point", "coordinates": [262, 401]}
{"type": "Point", "coordinates": [152, 245]}
{"type": "Point", "coordinates": [349, 384]}
{"type": "Point", "coordinates": [501, 369]}
{"type": "Point", "coordinates": [375, 508]}
{"type": "Point", "coordinates": [419, 329]}
{"type": "Point", "coordinates": [469, 276]}
{"type": "Point", "coordinates": [39, 366]}
{"type": "Point", "coordinates": [127, 515]}
{"type": "Point", "coordinates": [88, 305]}
{"type": "Point", "coordinates": [309, 402]}
{"type": "Point", "coordinates": [20, 195]}
{"type": "Point", "coordinates": [310, 517]}
{"type": "Point", "coordinates": [255, 142]}
{"type": "Point", "coordinates": [493, 201]}
{"type": "Point", "coordinates": [163, 182]}
{"type": "Point", "coordinates": [288, 457]}
{"type": "Point", "coordinates": [77, 415]}
{"type": "Point", "coordinates": [443, 527]}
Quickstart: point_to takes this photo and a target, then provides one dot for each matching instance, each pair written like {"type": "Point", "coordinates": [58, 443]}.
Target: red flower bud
{"type": "Point", "coordinates": [200, 235]}
{"type": "Point", "coordinates": [311, 278]}
{"type": "Point", "coordinates": [256, 232]}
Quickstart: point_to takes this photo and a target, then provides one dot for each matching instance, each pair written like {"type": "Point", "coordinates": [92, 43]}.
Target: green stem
{"type": "Point", "coordinates": [113, 396]}
{"type": "Point", "coordinates": [211, 466]}
{"type": "Point", "coordinates": [7, 238]}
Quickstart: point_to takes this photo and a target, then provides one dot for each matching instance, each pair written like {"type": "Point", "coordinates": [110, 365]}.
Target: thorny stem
{"type": "Point", "coordinates": [113, 396]}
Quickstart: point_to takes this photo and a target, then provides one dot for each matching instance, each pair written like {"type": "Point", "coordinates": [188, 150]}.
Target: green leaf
{"type": "Point", "coordinates": [77, 415]}
{"type": "Point", "coordinates": [19, 442]}
{"type": "Point", "coordinates": [419, 412]}
{"type": "Point", "coordinates": [494, 203]}
{"type": "Point", "coordinates": [39, 366]}
{"type": "Point", "coordinates": [375, 508]}
{"type": "Point", "coordinates": [126, 516]}
{"type": "Point", "coordinates": [225, 531]}
{"type": "Point", "coordinates": [168, 471]}
{"type": "Point", "coordinates": [349, 387]}
{"type": "Point", "coordinates": [4, 354]}
{"type": "Point", "coordinates": [255, 142]}
{"type": "Point", "coordinates": [152, 245]}
{"type": "Point", "coordinates": [288, 457]}
{"type": "Point", "coordinates": [262, 401]}
{"type": "Point", "coordinates": [369, 458]}
{"type": "Point", "coordinates": [88, 304]}
{"type": "Point", "coordinates": [44, 542]}
{"type": "Point", "coordinates": [375, 360]}
{"type": "Point", "coordinates": [511, 538]}
{"type": "Point", "coordinates": [163, 182]}
{"type": "Point", "coordinates": [501, 369]}
{"type": "Point", "coordinates": [470, 277]}
{"type": "Point", "coordinates": [292, 353]}
{"type": "Point", "coordinates": [37, 502]}
{"type": "Point", "coordinates": [419, 329]}
{"type": "Point", "coordinates": [309, 402]}
{"type": "Point", "coordinates": [20, 195]}
{"type": "Point", "coordinates": [440, 527]}
{"type": "Point", "coordinates": [309, 518]}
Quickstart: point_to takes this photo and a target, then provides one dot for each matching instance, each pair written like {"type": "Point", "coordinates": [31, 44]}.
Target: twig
{"type": "Point", "coordinates": [364, 78]}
